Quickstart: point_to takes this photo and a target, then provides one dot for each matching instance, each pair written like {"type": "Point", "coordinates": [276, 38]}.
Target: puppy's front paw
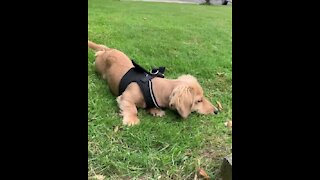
{"type": "Point", "coordinates": [130, 121]}
{"type": "Point", "coordinates": [157, 112]}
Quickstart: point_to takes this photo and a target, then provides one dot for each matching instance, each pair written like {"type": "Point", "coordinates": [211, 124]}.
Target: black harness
{"type": "Point", "coordinates": [143, 79]}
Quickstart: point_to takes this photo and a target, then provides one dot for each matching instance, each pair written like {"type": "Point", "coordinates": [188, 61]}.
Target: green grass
{"type": "Point", "coordinates": [184, 38]}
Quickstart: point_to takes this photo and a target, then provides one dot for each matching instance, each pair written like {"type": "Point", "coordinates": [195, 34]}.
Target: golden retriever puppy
{"type": "Point", "coordinates": [183, 94]}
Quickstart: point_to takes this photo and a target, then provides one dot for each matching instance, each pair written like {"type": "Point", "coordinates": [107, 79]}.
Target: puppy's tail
{"type": "Point", "coordinates": [96, 47]}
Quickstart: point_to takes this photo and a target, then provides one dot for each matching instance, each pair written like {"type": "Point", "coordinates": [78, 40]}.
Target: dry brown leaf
{"type": "Point", "coordinates": [195, 176]}
{"type": "Point", "coordinates": [116, 129]}
{"type": "Point", "coordinates": [203, 173]}
{"type": "Point", "coordinates": [99, 177]}
{"type": "Point", "coordinates": [228, 124]}
{"type": "Point", "coordinates": [219, 106]}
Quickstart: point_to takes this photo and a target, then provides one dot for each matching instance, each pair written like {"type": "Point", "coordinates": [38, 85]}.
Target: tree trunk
{"type": "Point", "coordinates": [226, 168]}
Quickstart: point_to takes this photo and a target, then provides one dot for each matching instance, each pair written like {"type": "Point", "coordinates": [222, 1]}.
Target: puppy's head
{"type": "Point", "coordinates": [188, 97]}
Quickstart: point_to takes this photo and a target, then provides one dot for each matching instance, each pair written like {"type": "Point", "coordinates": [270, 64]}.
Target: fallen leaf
{"type": "Point", "coordinates": [219, 106]}
{"type": "Point", "coordinates": [228, 124]}
{"type": "Point", "coordinates": [220, 73]}
{"type": "Point", "coordinates": [184, 158]}
{"type": "Point", "coordinates": [99, 177]}
{"type": "Point", "coordinates": [195, 176]}
{"type": "Point", "coordinates": [203, 173]}
{"type": "Point", "coordinates": [116, 129]}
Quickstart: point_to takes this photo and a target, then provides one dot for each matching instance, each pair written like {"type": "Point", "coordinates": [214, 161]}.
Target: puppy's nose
{"type": "Point", "coordinates": [215, 111]}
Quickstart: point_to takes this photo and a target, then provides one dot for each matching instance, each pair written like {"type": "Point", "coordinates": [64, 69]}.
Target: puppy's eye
{"type": "Point", "coordinates": [199, 101]}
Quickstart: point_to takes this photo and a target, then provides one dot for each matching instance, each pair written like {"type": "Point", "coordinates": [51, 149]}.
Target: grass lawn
{"type": "Point", "coordinates": [184, 38]}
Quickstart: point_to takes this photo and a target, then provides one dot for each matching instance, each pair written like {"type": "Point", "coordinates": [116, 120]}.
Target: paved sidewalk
{"type": "Point", "coordinates": [184, 1]}
{"type": "Point", "coordinates": [172, 1]}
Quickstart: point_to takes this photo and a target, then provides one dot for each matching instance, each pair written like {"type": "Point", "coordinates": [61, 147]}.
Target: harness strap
{"type": "Point", "coordinates": [147, 91]}
{"type": "Point", "coordinates": [158, 72]}
{"type": "Point", "coordinates": [143, 79]}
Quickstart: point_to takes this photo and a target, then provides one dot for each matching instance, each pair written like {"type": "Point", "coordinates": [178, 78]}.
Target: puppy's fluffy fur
{"type": "Point", "coordinates": [184, 94]}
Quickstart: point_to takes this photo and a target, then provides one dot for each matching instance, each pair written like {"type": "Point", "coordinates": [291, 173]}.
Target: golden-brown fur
{"type": "Point", "coordinates": [183, 94]}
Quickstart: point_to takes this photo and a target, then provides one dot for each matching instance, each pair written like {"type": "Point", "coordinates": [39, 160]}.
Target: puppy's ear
{"type": "Point", "coordinates": [181, 99]}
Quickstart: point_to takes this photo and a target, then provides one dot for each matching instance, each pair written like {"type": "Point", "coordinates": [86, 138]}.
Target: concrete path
{"type": "Point", "coordinates": [172, 1]}
{"type": "Point", "coordinates": [217, 2]}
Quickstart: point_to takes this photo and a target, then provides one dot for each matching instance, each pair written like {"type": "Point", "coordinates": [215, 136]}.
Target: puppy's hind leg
{"type": "Point", "coordinates": [128, 110]}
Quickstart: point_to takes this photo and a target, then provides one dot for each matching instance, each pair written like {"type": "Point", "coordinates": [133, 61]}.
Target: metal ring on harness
{"type": "Point", "coordinates": [155, 72]}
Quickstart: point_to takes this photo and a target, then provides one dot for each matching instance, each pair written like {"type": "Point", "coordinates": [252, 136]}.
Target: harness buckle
{"type": "Point", "coordinates": [158, 72]}
{"type": "Point", "coordinates": [154, 73]}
